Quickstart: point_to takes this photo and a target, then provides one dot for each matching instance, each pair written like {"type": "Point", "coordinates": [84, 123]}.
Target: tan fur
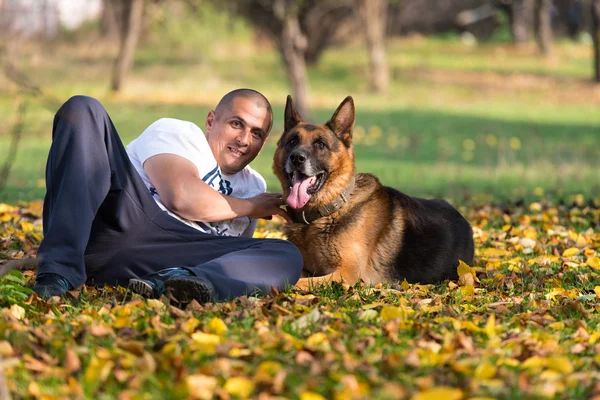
{"type": "Point", "coordinates": [358, 253]}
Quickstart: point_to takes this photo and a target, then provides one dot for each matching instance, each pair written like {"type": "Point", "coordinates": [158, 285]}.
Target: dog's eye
{"type": "Point", "coordinates": [320, 144]}
{"type": "Point", "coordinates": [292, 142]}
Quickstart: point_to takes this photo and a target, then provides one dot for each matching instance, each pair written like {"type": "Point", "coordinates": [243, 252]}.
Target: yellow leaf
{"type": "Point", "coordinates": [391, 312]}
{"type": "Point", "coordinates": [217, 326]}
{"type": "Point", "coordinates": [311, 396]}
{"type": "Point", "coordinates": [593, 262]}
{"type": "Point", "coordinates": [34, 389]}
{"type": "Point", "coordinates": [570, 252]}
{"type": "Point", "coordinates": [6, 349]}
{"type": "Point", "coordinates": [560, 364]}
{"type": "Point", "coordinates": [442, 392]}
{"type": "Point", "coordinates": [205, 342]}
{"type": "Point", "coordinates": [318, 341]}
{"type": "Point", "coordinates": [239, 386]}
{"type": "Point", "coordinates": [557, 326]}
{"type": "Point", "coordinates": [467, 290]}
{"type": "Point", "coordinates": [485, 370]}
{"type": "Point", "coordinates": [156, 304]}
{"type": "Point", "coordinates": [368, 315]}
{"type": "Point", "coordinates": [201, 386]}
{"type": "Point", "coordinates": [405, 285]}
{"type": "Point", "coordinates": [463, 268]}
{"type": "Point", "coordinates": [470, 326]}
{"type": "Point", "coordinates": [372, 305]}
{"type": "Point", "coordinates": [534, 362]}
{"type": "Point", "coordinates": [490, 326]}
{"type": "Point", "coordinates": [237, 352]}
{"type": "Point", "coordinates": [26, 227]}
{"type": "Point", "coordinates": [266, 371]}
{"type": "Point", "coordinates": [17, 311]}
{"type": "Point", "coordinates": [190, 325]}
{"type": "Point", "coordinates": [493, 252]}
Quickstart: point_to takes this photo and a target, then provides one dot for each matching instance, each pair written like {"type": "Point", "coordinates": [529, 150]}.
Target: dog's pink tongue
{"type": "Point", "coordinates": [298, 195]}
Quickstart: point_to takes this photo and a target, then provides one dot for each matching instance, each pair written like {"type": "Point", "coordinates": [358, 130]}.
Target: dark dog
{"type": "Point", "coordinates": [350, 227]}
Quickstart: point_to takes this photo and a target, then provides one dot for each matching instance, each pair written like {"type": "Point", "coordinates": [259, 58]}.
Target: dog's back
{"type": "Point", "coordinates": [436, 236]}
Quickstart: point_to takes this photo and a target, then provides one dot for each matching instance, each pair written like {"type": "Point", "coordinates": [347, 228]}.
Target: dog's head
{"type": "Point", "coordinates": [315, 162]}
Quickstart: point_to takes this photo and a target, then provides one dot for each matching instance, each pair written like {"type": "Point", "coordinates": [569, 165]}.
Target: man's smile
{"type": "Point", "coordinates": [236, 152]}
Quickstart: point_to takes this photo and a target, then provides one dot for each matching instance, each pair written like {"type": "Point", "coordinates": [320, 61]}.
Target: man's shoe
{"type": "Point", "coordinates": [186, 289]}
{"type": "Point", "coordinates": [49, 284]}
{"type": "Point", "coordinates": [153, 285]}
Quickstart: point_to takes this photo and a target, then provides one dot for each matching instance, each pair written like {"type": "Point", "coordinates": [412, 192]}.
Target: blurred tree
{"type": "Point", "coordinates": [374, 14]}
{"type": "Point", "coordinates": [293, 44]}
{"type": "Point", "coordinates": [131, 25]}
{"type": "Point", "coordinates": [595, 11]}
{"type": "Point", "coordinates": [522, 12]}
{"type": "Point", "coordinates": [544, 26]}
{"type": "Point", "coordinates": [109, 19]}
{"type": "Point", "coordinates": [302, 30]}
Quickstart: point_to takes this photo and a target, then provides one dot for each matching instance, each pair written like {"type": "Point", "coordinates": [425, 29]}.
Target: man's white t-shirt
{"type": "Point", "coordinates": [186, 139]}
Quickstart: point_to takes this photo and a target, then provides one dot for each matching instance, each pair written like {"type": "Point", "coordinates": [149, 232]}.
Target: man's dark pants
{"type": "Point", "coordinates": [102, 226]}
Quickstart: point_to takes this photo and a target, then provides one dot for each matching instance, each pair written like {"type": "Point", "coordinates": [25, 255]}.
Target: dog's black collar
{"type": "Point", "coordinates": [307, 217]}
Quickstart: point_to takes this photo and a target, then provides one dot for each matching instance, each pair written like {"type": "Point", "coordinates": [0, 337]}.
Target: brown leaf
{"type": "Point", "coordinates": [178, 312]}
{"type": "Point", "coordinates": [72, 363]}
{"type": "Point", "coordinates": [194, 305]}
{"type": "Point", "coordinates": [101, 330]}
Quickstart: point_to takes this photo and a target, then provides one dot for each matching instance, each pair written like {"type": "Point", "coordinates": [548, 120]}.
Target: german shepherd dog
{"type": "Point", "coordinates": [348, 226]}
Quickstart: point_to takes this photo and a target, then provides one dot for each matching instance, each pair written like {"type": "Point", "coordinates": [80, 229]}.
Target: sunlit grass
{"type": "Point", "coordinates": [455, 118]}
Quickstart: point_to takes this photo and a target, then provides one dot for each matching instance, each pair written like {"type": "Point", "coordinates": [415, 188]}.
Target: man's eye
{"type": "Point", "coordinates": [257, 135]}
{"type": "Point", "coordinates": [236, 124]}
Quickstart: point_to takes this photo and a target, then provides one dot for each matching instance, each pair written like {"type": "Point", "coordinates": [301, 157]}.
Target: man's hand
{"type": "Point", "coordinates": [266, 205]}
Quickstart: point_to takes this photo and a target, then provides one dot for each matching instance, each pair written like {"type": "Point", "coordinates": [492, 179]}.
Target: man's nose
{"type": "Point", "coordinates": [244, 138]}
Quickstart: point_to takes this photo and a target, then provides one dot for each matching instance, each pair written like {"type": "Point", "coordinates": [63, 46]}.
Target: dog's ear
{"type": "Point", "coordinates": [292, 118]}
{"type": "Point", "coordinates": [342, 121]}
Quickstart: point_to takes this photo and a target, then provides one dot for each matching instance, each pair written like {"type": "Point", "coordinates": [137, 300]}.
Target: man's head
{"type": "Point", "coordinates": [238, 127]}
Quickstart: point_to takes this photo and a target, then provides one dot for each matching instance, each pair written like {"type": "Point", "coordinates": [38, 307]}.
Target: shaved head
{"type": "Point", "coordinates": [248, 94]}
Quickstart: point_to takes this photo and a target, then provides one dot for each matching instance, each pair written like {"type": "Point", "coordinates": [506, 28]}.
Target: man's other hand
{"type": "Point", "coordinates": [266, 205]}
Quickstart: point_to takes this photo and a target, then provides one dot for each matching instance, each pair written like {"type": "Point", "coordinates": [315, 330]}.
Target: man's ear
{"type": "Point", "coordinates": [342, 121]}
{"type": "Point", "coordinates": [210, 119]}
{"type": "Point", "coordinates": [292, 118]}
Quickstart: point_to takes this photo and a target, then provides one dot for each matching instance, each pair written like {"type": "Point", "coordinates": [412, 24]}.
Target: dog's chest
{"type": "Point", "coordinates": [320, 246]}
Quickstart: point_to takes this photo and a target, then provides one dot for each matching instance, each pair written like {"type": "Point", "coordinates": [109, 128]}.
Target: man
{"type": "Point", "coordinates": [176, 210]}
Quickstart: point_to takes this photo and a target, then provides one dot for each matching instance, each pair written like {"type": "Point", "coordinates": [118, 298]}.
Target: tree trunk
{"type": "Point", "coordinates": [522, 18]}
{"type": "Point", "coordinates": [130, 32]}
{"type": "Point", "coordinates": [293, 48]}
{"type": "Point", "coordinates": [596, 37]}
{"type": "Point", "coordinates": [544, 26]}
{"type": "Point", "coordinates": [109, 25]}
{"type": "Point", "coordinates": [374, 13]}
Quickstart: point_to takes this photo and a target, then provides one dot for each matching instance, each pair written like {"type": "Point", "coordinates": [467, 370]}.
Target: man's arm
{"type": "Point", "coordinates": [182, 191]}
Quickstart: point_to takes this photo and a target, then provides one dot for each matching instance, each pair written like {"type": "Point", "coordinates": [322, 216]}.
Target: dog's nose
{"type": "Point", "coordinates": [298, 158]}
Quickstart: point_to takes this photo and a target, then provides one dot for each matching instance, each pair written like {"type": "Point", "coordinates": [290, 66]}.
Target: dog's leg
{"type": "Point", "coordinates": [309, 283]}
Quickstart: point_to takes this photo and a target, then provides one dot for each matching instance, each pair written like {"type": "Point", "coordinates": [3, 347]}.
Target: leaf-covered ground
{"type": "Point", "coordinates": [522, 322]}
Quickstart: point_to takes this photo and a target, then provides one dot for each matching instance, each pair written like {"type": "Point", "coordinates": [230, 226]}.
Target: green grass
{"type": "Point", "coordinates": [457, 119]}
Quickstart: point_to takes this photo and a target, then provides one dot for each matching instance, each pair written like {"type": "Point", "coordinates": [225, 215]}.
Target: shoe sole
{"type": "Point", "coordinates": [185, 290]}
{"type": "Point", "coordinates": [141, 287]}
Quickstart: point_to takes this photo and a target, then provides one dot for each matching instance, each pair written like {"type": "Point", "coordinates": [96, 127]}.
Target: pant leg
{"type": "Point", "coordinates": [234, 266]}
{"type": "Point", "coordinates": [86, 172]}
{"type": "Point", "coordinates": [265, 264]}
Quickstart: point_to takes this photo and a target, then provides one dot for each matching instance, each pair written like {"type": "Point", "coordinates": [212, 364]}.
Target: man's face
{"type": "Point", "coordinates": [237, 134]}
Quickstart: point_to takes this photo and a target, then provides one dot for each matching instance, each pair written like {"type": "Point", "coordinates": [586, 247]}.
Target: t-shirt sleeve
{"type": "Point", "coordinates": [181, 138]}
